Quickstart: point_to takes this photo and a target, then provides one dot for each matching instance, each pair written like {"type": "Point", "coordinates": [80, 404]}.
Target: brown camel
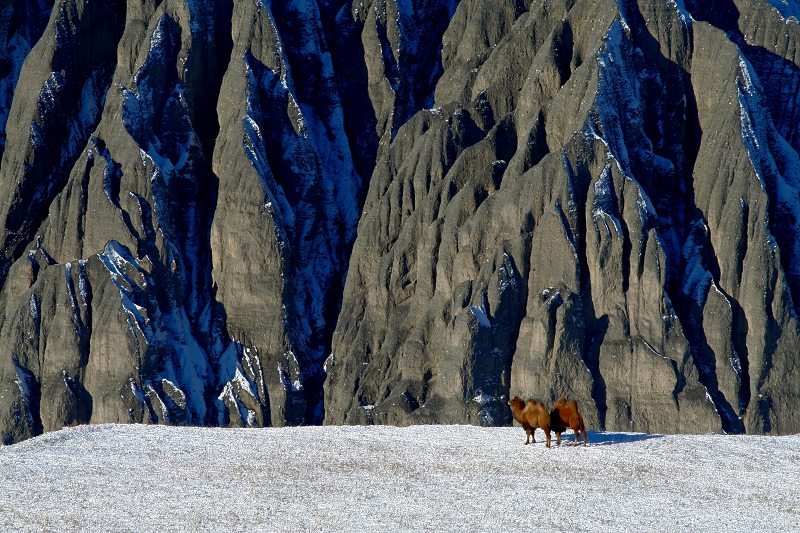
{"type": "Point", "coordinates": [565, 414]}
{"type": "Point", "coordinates": [531, 415]}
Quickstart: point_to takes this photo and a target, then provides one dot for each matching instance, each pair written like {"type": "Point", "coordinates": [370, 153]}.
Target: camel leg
{"type": "Point", "coordinates": [547, 434]}
{"type": "Point", "coordinates": [558, 439]}
{"type": "Point", "coordinates": [528, 435]}
{"type": "Point", "coordinates": [585, 440]}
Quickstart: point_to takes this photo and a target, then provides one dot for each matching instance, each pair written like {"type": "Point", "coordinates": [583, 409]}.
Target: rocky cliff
{"type": "Point", "coordinates": [590, 198]}
{"type": "Point", "coordinates": [602, 203]}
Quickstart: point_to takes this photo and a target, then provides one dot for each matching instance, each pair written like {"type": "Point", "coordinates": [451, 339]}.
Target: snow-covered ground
{"type": "Point", "coordinates": [423, 478]}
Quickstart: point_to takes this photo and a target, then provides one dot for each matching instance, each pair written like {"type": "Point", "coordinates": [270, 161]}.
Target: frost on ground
{"type": "Point", "coordinates": [378, 478]}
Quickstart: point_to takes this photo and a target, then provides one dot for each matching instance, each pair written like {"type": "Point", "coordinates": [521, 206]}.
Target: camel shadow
{"type": "Point", "coordinates": [598, 438]}
{"type": "Point", "coordinates": [605, 438]}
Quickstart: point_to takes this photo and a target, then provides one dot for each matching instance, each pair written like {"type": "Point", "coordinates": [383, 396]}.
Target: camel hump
{"type": "Point", "coordinates": [563, 402]}
{"type": "Point", "coordinates": [535, 403]}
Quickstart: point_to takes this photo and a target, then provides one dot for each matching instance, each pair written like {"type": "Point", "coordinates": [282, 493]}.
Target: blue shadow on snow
{"type": "Point", "coordinates": [605, 438]}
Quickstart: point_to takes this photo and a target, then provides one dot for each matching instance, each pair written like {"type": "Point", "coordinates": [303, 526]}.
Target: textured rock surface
{"type": "Point", "coordinates": [603, 205]}
{"type": "Point", "coordinates": [177, 212]}
{"type": "Point", "coordinates": [595, 199]}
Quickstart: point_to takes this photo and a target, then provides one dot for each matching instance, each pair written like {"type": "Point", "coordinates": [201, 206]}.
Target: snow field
{"type": "Point", "coordinates": [379, 478]}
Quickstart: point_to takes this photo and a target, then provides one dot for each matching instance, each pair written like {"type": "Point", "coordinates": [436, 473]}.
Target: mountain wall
{"type": "Point", "coordinates": [602, 204]}
{"type": "Point", "coordinates": [252, 212]}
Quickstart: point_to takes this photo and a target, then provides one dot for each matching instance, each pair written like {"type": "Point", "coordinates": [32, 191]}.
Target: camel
{"type": "Point", "coordinates": [531, 414]}
{"type": "Point", "coordinates": [565, 414]}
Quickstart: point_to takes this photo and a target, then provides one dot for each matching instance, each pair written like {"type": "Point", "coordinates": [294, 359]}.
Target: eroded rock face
{"type": "Point", "coordinates": [181, 185]}
{"type": "Point", "coordinates": [602, 205]}
{"type": "Point", "coordinates": [592, 199]}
